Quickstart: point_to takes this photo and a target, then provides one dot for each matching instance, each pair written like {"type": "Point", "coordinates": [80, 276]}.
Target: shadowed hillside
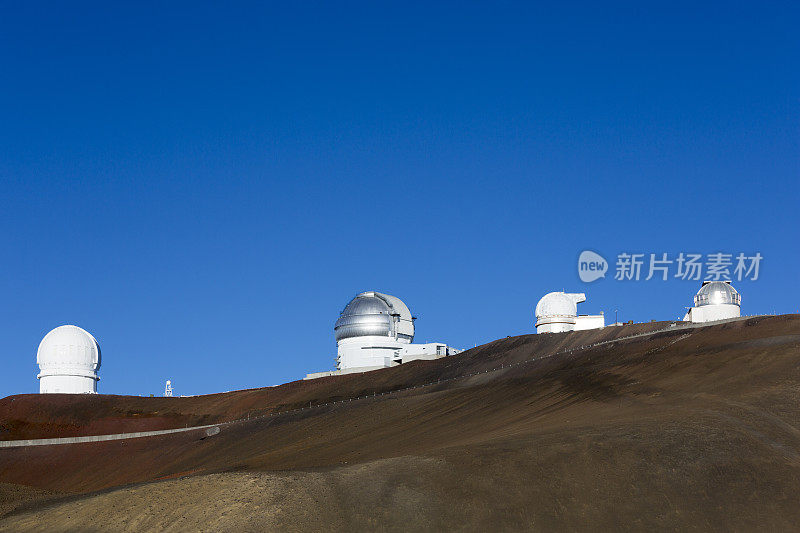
{"type": "Point", "coordinates": [693, 429]}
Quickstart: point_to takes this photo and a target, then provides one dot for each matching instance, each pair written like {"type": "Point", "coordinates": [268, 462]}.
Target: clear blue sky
{"type": "Point", "coordinates": [204, 187]}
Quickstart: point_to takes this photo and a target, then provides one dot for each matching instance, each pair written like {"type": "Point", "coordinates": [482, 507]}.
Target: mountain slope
{"type": "Point", "coordinates": [688, 428]}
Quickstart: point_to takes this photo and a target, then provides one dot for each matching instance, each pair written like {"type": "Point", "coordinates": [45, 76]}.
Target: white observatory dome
{"type": "Point", "coordinates": [559, 304]}
{"type": "Point", "coordinates": [557, 311]}
{"type": "Point", "coordinates": [717, 293]}
{"type": "Point", "coordinates": [68, 358]}
{"type": "Point", "coordinates": [374, 314]}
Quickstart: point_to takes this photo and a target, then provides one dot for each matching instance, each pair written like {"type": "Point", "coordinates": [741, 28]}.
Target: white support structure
{"type": "Point", "coordinates": [583, 322]}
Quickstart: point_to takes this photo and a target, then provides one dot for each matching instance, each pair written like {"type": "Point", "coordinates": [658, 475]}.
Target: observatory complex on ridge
{"type": "Point", "coordinates": [375, 331]}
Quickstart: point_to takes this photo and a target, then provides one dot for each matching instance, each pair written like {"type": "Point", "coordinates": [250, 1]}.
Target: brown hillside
{"type": "Point", "coordinates": [684, 429]}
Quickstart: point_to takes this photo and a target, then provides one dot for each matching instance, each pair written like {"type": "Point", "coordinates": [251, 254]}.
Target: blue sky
{"type": "Point", "coordinates": [204, 187]}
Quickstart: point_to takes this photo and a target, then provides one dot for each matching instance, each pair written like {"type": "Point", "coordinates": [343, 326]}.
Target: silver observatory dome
{"type": "Point", "coordinates": [366, 314]}
{"type": "Point", "coordinates": [375, 314]}
{"type": "Point", "coordinates": [717, 293]}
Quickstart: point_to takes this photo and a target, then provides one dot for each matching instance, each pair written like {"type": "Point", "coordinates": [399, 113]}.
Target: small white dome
{"type": "Point", "coordinates": [559, 304]}
{"type": "Point", "coordinates": [68, 346]}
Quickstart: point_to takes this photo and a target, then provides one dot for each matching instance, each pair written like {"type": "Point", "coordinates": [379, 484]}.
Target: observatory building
{"type": "Point", "coordinates": [376, 330]}
{"type": "Point", "coordinates": [716, 300]}
{"type": "Point", "coordinates": [558, 311]}
{"type": "Point", "coordinates": [68, 359]}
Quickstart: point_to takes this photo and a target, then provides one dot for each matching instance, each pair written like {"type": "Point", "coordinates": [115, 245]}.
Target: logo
{"type": "Point", "coordinates": [591, 266]}
{"type": "Point", "coordinates": [635, 266]}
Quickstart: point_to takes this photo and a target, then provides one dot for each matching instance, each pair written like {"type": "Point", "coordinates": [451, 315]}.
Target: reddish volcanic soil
{"type": "Point", "coordinates": [692, 429]}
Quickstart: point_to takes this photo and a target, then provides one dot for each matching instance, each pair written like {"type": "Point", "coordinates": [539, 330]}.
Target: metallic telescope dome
{"type": "Point", "coordinates": [717, 293]}
{"type": "Point", "coordinates": [375, 314]}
